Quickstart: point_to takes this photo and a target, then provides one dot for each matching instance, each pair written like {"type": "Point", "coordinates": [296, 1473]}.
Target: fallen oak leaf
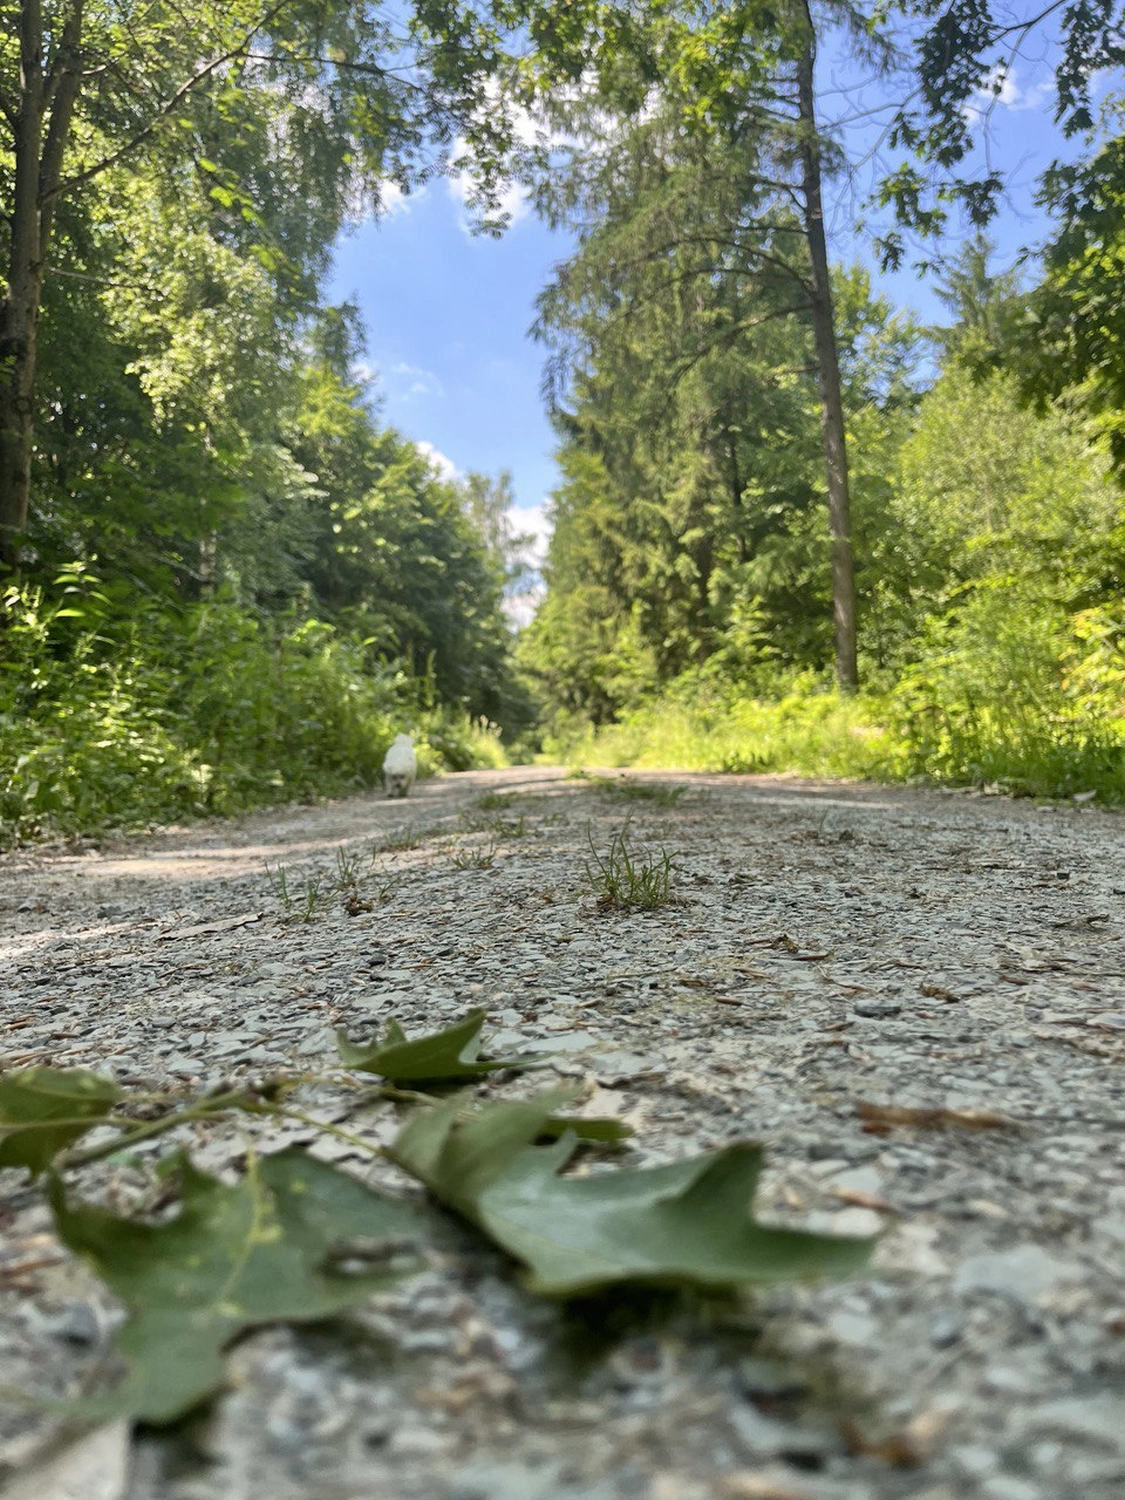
{"type": "Point", "coordinates": [267, 1250]}
{"type": "Point", "coordinates": [447, 1056]}
{"type": "Point", "coordinates": [684, 1224]}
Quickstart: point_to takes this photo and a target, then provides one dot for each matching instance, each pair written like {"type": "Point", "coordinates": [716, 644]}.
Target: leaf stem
{"type": "Point", "coordinates": [215, 1104]}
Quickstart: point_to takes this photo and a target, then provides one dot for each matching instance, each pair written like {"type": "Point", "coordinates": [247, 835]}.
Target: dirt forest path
{"type": "Point", "coordinates": [915, 1000]}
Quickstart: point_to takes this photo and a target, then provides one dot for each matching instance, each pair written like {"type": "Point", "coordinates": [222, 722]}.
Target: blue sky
{"type": "Point", "coordinates": [447, 316]}
{"type": "Point", "coordinates": [447, 313]}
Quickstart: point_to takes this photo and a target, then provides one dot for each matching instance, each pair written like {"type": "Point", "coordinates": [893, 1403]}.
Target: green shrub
{"type": "Point", "coordinates": [1006, 690]}
{"type": "Point", "coordinates": [1010, 692]}
{"type": "Point", "coordinates": [700, 727]}
{"type": "Point", "coordinates": [115, 719]}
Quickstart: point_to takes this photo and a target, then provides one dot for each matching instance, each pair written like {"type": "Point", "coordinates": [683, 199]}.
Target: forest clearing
{"type": "Point", "coordinates": [914, 1000]}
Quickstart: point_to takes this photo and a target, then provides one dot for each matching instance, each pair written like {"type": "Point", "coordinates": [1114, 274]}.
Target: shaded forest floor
{"type": "Point", "coordinates": [915, 1000]}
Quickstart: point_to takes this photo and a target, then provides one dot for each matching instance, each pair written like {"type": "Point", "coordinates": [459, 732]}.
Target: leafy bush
{"type": "Point", "coordinates": [1010, 692]}
{"type": "Point", "coordinates": [1006, 690]}
{"type": "Point", "coordinates": [111, 719]}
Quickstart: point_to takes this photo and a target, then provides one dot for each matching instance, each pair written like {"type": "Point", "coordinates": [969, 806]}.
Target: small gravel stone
{"type": "Point", "coordinates": [1008, 1487]}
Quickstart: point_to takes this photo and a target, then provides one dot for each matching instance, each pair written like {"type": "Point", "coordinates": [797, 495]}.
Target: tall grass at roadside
{"type": "Point", "coordinates": [817, 733]}
{"type": "Point", "coordinates": [1015, 694]}
{"type": "Point", "coordinates": [1004, 694]}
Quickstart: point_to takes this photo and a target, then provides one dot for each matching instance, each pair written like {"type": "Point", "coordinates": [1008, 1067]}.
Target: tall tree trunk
{"type": "Point", "coordinates": [828, 374]}
{"type": "Point", "coordinates": [46, 98]}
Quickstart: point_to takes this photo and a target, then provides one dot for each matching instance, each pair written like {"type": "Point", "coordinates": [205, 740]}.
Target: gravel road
{"type": "Point", "coordinates": [916, 1001]}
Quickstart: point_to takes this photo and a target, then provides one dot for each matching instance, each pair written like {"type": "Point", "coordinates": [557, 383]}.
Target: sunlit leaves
{"type": "Point", "coordinates": [963, 54]}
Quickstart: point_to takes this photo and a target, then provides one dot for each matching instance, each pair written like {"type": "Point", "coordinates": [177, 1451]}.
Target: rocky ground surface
{"type": "Point", "coordinates": [916, 1000]}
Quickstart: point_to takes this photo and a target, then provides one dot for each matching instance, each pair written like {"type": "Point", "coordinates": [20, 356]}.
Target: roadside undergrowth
{"type": "Point", "coordinates": [927, 729]}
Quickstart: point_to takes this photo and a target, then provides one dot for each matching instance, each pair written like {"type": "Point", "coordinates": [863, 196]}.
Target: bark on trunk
{"type": "Point", "coordinates": [46, 99]}
{"type": "Point", "coordinates": [828, 377]}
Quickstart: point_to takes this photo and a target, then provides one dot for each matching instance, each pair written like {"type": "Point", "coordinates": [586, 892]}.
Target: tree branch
{"type": "Point", "coordinates": [67, 50]}
{"type": "Point", "coordinates": [724, 339]}
{"type": "Point", "coordinates": [170, 104]}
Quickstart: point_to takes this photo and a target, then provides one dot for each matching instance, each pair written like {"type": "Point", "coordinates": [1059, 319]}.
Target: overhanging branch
{"type": "Point", "coordinates": [170, 104]}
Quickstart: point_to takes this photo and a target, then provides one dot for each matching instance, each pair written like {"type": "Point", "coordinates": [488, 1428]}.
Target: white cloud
{"type": "Point", "coordinates": [393, 201]}
{"type": "Point", "coordinates": [446, 468]}
{"type": "Point", "coordinates": [534, 523]}
{"type": "Point", "coordinates": [514, 201]}
{"type": "Point", "coordinates": [413, 380]}
{"type": "Point", "coordinates": [1002, 87]}
{"type": "Point", "coordinates": [1039, 95]}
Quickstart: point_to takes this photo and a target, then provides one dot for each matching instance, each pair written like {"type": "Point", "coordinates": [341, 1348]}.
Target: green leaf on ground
{"type": "Point", "coordinates": [273, 1248]}
{"type": "Point", "coordinates": [598, 1129]}
{"type": "Point", "coordinates": [44, 1110]}
{"type": "Point", "coordinates": [441, 1057]}
{"type": "Point", "coordinates": [685, 1224]}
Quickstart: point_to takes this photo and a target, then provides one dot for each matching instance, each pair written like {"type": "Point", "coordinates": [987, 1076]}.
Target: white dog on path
{"type": "Point", "coordinates": [400, 766]}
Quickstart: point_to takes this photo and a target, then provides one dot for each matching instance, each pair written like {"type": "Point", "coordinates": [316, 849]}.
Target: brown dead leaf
{"type": "Point", "coordinates": [488, 1387]}
{"type": "Point", "coordinates": [900, 1450]}
{"type": "Point", "coordinates": [938, 992]}
{"type": "Point", "coordinates": [760, 1487]}
{"type": "Point", "coordinates": [879, 1118]}
{"type": "Point", "coordinates": [906, 1448]}
{"type": "Point", "coordinates": [862, 1200]}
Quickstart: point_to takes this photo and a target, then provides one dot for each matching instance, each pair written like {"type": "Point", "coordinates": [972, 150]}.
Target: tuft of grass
{"type": "Point", "coordinates": [406, 838]}
{"type": "Point", "coordinates": [354, 882]}
{"type": "Point", "coordinates": [627, 790]}
{"type": "Point", "coordinates": [627, 878]}
{"type": "Point", "coordinates": [359, 887]}
{"type": "Point", "coordinates": [496, 801]}
{"type": "Point", "coordinates": [475, 858]}
{"type": "Point", "coordinates": [301, 904]}
{"type": "Point", "coordinates": [494, 823]}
